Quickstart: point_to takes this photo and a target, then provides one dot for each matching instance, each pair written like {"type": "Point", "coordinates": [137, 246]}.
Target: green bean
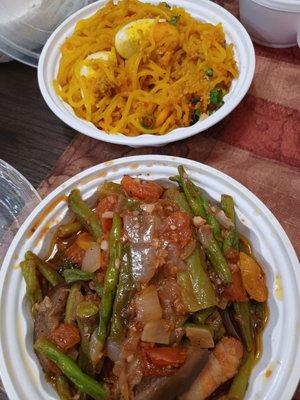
{"type": "Point", "coordinates": [70, 369]}
{"type": "Point", "coordinates": [240, 382]}
{"type": "Point", "coordinates": [231, 240]}
{"type": "Point", "coordinates": [215, 226]}
{"type": "Point", "coordinates": [67, 264]}
{"type": "Point", "coordinates": [84, 359]}
{"type": "Point", "coordinates": [111, 277]}
{"type": "Point", "coordinates": [214, 321]}
{"type": "Point", "coordinates": [125, 291]}
{"type": "Point", "coordinates": [174, 195]}
{"type": "Point", "coordinates": [109, 188]}
{"type": "Point", "coordinates": [243, 318]}
{"type": "Point", "coordinates": [72, 301]}
{"type": "Point", "coordinates": [99, 289]}
{"type": "Point", "coordinates": [201, 316]}
{"type": "Point", "coordinates": [215, 256]}
{"type": "Point", "coordinates": [191, 195]}
{"type": "Point", "coordinates": [130, 204]}
{"type": "Point", "coordinates": [188, 297]}
{"type": "Point", "coordinates": [84, 214]}
{"type": "Point", "coordinates": [33, 289]}
{"type": "Point", "coordinates": [198, 202]}
{"type": "Point", "coordinates": [52, 276]}
{"type": "Point", "coordinates": [227, 206]}
{"type": "Point", "coordinates": [74, 275]}
{"type": "Point", "coordinates": [86, 309]}
{"type": "Point", "coordinates": [62, 387]}
{"type": "Point", "coordinates": [69, 229]}
{"type": "Point", "coordinates": [210, 218]}
{"type": "Point", "coordinates": [202, 286]}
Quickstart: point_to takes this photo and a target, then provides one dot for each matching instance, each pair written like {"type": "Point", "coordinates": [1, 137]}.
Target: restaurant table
{"type": "Point", "coordinates": [258, 143]}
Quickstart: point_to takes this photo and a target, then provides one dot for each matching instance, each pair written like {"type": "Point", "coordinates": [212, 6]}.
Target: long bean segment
{"type": "Point", "coordinates": [84, 214]}
{"type": "Point", "coordinates": [33, 289]}
{"type": "Point", "coordinates": [202, 286]}
{"type": "Point", "coordinates": [198, 202]}
{"type": "Point", "coordinates": [70, 369]}
{"type": "Point", "coordinates": [72, 302]}
{"type": "Point", "coordinates": [74, 275]}
{"type": "Point", "coordinates": [52, 276]}
{"type": "Point", "coordinates": [174, 195]}
{"type": "Point", "coordinates": [62, 387]}
{"type": "Point", "coordinates": [243, 317]}
{"type": "Point", "coordinates": [188, 297]}
{"type": "Point", "coordinates": [240, 382]}
{"type": "Point", "coordinates": [191, 194]}
{"type": "Point", "coordinates": [214, 254]}
{"type": "Point", "coordinates": [69, 229]}
{"type": "Point", "coordinates": [227, 206]}
{"type": "Point", "coordinates": [109, 188]}
{"type": "Point", "coordinates": [84, 359]}
{"type": "Point", "coordinates": [111, 277]}
{"type": "Point", "coordinates": [231, 240]}
{"type": "Point", "coordinates": [125, 290]}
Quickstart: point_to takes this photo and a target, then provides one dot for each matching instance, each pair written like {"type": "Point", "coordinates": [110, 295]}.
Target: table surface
{"type": "Point", "coordinates": [258, 144]}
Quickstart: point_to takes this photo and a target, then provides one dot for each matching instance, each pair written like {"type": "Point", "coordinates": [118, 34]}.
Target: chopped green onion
{"type": "Point", "coordinates": [216, 97]}
{"type": "Point", "coordinates": [209, 72]}
{"type": "Point", "coordinates": [195, 117]}
{"type": "Point", "coordinates": [174, 19]}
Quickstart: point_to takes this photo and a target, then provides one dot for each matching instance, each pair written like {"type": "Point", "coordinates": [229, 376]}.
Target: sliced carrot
{"type": "Point", "coordinates": [253, 278]}
{"type": "Point", "coordinates": [146, 191]}
{"type": "Point", "coordinates": [166, 356]}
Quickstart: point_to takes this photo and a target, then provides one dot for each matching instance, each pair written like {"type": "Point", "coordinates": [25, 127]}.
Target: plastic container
{"type": "Point", "coordinates": [17, 199]}
{"type": "Point", "coordinates": [25, 25]}
{"type": "Point", "coordinates": [276, 374]}
{"type": "Point", "coordinates": [272, 23]}
{"type": "Point", "coordinates": [204, 10]}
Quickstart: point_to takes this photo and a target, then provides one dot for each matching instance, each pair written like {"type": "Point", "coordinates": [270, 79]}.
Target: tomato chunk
{"type": "Point", "coordinates": [146, 191]}
{"type": "Point", "coordinates": [236, 291]}
{"type": "Point", "coordinates": [177, 229]}
{"type": "Point", "coordinates": [65, 336]}
{"type": "Point", "coordinates": [75, 253]}
{"type": "Point", "coordinates": [107, 204]}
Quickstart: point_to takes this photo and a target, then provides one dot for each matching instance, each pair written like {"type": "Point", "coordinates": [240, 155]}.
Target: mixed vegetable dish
{"type": "Point", "coordinates": [151, 293]}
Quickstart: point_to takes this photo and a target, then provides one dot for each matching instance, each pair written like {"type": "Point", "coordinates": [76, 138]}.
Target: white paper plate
{"type": "Point", "coordinates": [22, 376]}
{"type": "Point", "coordinates": [200, 9]}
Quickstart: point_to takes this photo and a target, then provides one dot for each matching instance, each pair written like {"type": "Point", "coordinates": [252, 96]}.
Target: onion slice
{"type": "Point", "coordinates": [223, 219]}
{"type": "Point", "coordinates": [157, 331]}
{"type": "Point", "coordinates": [148, 305]}
{"type": "Point", "coordinates": [91, 259]}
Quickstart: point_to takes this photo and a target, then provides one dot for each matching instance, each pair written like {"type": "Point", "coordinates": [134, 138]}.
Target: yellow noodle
{"type": "Point", "coordinates": [155, 84]}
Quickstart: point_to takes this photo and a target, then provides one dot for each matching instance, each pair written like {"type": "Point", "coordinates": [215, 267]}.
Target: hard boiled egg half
{"type": "Point", "coordinates": [87, 70]}
{"type": "Point", "coordinates": [129, 38]}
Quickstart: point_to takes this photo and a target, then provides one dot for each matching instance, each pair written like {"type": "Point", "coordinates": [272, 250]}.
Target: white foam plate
{"type": "Point", "coordinates": [201, 10]}
{"type": "Point", "coordinates": [20, 371]}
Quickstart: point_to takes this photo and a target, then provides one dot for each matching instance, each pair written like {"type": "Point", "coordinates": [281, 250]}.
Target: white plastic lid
{"type": "Point", "coordinates": [25, 25]}
{"type": "Point", "coordinates": [282, 5]}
